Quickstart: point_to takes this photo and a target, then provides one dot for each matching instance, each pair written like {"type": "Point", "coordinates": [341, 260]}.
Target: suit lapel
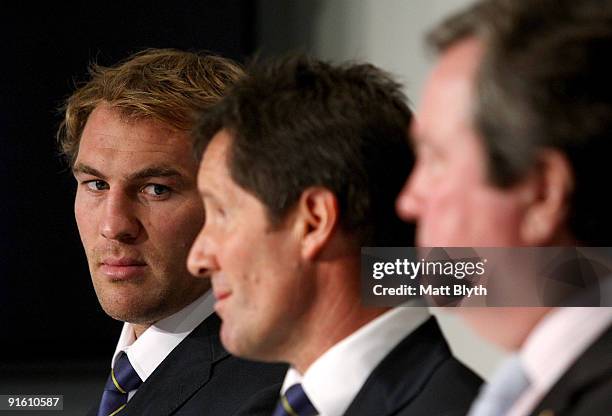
{"type": "Point", "coordinates": [181, 374]}
{"type": "Point", "coordinates": [261, 404]}
{"type": "Point", "coordinates": [399, 378]}
{"type": "Point", "coordinates": [594, 366]}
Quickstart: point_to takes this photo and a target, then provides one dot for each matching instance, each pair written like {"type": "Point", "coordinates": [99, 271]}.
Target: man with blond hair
{"type": "Point", "coordinates": [126, 137]}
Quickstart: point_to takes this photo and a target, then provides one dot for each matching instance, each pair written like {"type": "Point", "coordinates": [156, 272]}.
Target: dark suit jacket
{"type": "Point", "coordinates": [419, 377]}
{"type": "Point", "coordinates": [586, 387]}
{"type": "Point", "coordinates": [200, 377]}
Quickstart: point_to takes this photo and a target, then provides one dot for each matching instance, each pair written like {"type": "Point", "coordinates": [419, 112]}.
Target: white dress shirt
{"type": "Point", "coordinates": [334, 379]}
{"type": "Point", "coordinates": [553, 346]}
{"type": "Point", "coordinates": [157, 342]}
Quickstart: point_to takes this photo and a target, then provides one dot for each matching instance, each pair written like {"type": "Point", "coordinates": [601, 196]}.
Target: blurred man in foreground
{"type": "Point", "coordinates": [512, 135]}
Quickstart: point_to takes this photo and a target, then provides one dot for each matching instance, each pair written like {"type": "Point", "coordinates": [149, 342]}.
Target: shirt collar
{"type": "Point", "coordinates": [148, 351]}
{"type": "Point", "coordinates": [573, 330]}
{"type": "Point", "coordinates": [334, 379]}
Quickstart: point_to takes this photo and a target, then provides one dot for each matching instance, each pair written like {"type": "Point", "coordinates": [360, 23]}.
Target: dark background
{"type": "Point", "coordinates": [55, 337]}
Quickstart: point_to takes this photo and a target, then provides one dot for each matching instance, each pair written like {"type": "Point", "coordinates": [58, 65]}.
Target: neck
{"type": "Point", "coordinates": [139, 329]}
{"type": "Point", "coordinates": [508, 327]}
{"type": "Point", "coordinates": [317, 346]}
{"type": "Point", "coordinates": [335, 314]}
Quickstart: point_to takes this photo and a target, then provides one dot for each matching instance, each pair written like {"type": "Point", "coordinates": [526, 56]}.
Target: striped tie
{"type": "Point", "coordinates": [295, 403]}
{"type": "Point", "coordinates": [121, 381]}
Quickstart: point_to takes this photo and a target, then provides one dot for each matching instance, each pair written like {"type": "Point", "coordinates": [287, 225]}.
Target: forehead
{"type": "Point", "coordinates": [213, 172]}
{"type": "Point", "coordinates": [215, 155]}
{"type": "Point", "coordinates": [110, 141]}
{"type": "Point", "coordinates": [448, 99]}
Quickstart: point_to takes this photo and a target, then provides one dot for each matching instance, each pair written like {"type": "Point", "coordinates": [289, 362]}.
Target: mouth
{"type": "Point", "coordinates": [123, 268]}
{"type": "Point", "coordinates": [221, 295]}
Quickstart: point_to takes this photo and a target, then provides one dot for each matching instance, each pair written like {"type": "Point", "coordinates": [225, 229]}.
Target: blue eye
{"type": "Point", "coordinates": [156, 190]}
{"type": "Point", "coordinates": [96, 185]}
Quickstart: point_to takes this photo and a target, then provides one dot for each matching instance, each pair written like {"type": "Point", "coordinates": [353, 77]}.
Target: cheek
{"type": "Point", "coordinates": [268, 279]}
{"type": "Point", "coordinates": [86, 220]}
{"type": "Point", "coordinates": [236, 259]}
{"type": "Point", "coordinates": [500, 217]}
{"type": "Point", "coordinates": [448, 198]}
{"type": "Point", "coordinates": [176, 228]}
{"type": "Point", "coordinates": [462, 211]}
{"type": "Point", "coordinates": [453, 188]}
{"type": "Point", "coordinates": [447, 212]}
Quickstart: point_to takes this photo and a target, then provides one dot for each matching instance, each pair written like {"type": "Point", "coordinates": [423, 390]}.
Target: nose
{"type": "Point", "coordinates": [120, 221]}
{"type": "Point", "coordinates": [410, 200]}
{"type": "Point", "coordinates": [202, 261]}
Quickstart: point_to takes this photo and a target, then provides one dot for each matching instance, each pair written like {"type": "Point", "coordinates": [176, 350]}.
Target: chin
{"type": "Point", "coordinates": [123, 314]}
{"type": "Point", "coordinates": [242, 345]}
{"type": "Point", "coordinates": [231, 342]}
{"type": "Point", "coordinates": [128, 309]}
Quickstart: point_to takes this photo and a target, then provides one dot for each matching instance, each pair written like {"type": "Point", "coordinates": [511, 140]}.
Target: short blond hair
{"type": "Point", "coordinates": [167, 85]}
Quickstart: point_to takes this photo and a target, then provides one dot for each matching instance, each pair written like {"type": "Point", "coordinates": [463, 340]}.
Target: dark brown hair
{"type": "Point", "coordinates": [299, 122]}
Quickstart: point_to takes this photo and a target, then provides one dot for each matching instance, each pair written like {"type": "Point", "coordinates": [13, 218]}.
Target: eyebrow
{"type": "Point", "coordinates": [88, 170]}
{"type": "Point", "coordinates": [150, 172]}
{"type": "Point", "coordinates": [155, 172]}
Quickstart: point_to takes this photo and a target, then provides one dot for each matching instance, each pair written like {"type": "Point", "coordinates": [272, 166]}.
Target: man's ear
{"type": "Point", "coordinates": [550, 188]}
{"type": "Point", "coordinates": [318, 213]}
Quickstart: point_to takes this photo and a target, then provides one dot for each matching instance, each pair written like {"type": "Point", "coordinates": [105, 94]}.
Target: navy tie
{"type": "Point", "coordinates": [295, 403]}
{"type": "Point", "coordinates": [121, 381]}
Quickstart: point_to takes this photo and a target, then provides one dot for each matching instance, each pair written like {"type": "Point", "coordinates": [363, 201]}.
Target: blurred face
{"type": "Point", "coordinates": [138, 211]}
{"type": "Point", "coordinates": [448, 193]}
{"type": "Point", "coordinates": [262, 292]}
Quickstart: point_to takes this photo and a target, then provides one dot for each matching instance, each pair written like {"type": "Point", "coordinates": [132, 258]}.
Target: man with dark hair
{"type": "Point", "coordinates": [301, 165]}
{"type": "Point", "coordinates": [126, 137]}
{"type": "Point", "coordinates": [512, 136]}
